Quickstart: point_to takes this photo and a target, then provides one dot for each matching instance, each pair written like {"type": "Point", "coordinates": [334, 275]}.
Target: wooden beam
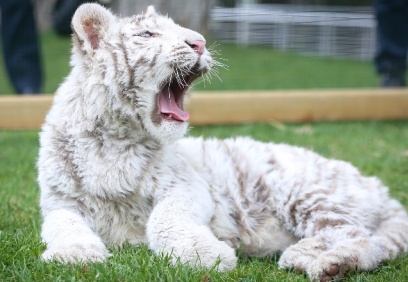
{"type": "Point", "coordinates": [26, 112]}
{"type": "Point", "coordinates": [23, 112]}
{"type": "Point", "coordinates": [310, 105]}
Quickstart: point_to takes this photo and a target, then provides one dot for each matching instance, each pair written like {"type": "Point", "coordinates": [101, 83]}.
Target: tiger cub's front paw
{"type": "Point", "coordinates": [226, 255]}
{"type": "Point", "coordinates": [76, 252]}
{"type": "Point", "coordinates": [205, 251]}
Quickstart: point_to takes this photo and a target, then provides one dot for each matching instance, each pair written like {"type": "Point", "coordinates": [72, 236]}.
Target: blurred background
{"type": "Point", "coordinates": [265, 44]}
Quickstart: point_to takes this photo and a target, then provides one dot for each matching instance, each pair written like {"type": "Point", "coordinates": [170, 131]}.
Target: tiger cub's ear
{"type": "Point", "coordinates": [150, 11]}
{"type": "Point", "coordinates": [90, 23]}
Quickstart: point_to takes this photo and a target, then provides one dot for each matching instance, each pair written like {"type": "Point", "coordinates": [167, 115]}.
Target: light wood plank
{"type": "Point", "coordinates": [23, 112]}
{"type": "Point", "coordinates": [26, 112]}
{"type": "Point", "coordinates": [294, 106]}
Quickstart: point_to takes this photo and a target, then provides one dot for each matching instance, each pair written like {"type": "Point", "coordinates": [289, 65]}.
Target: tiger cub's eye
{"type": "Point", "coordinates": [145, 34]}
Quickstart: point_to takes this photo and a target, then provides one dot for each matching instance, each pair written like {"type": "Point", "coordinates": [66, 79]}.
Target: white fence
{"type": "Point", "coordinates": [338, 32]}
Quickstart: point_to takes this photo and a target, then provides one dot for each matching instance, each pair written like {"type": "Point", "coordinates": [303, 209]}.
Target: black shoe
{"type": "Point", "coordinates": [393, 80]}
{"type": "Point", "coordinates": [29, 92]}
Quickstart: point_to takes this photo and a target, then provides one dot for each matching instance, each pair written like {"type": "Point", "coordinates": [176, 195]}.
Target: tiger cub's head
{"type": "Point", "coordinates": [145, 64]}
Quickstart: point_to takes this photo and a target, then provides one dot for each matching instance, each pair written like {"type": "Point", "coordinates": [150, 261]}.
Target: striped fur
{"type": "Point", "coordinates": [114, 168]}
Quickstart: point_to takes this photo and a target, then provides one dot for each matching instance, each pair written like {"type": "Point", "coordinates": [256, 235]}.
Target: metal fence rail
{"type": "Point", "coordinates": [342, 32]}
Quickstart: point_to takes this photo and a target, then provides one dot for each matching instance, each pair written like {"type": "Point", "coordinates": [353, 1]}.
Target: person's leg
{"type": "Point", "coordinates": [392, 41]}
{"type": "Point", "coordinates": [62, 15]}
{"type": "Point", "coordinates": [20, 46]}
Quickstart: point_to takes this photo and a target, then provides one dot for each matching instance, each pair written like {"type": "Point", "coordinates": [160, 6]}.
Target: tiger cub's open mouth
{"type": "Point", "coordinates": [171, 98]}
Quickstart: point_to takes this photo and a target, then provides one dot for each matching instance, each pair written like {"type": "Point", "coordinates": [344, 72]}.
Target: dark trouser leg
{"type": "Point", "coordinates": [62, 15]}
{"type": "Point", "coordinates": [21, 46]}
{"type": "Point", "coordinates": [392, 40]}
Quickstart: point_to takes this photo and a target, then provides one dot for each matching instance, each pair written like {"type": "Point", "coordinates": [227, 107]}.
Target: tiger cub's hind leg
{"type": "Point", "coordinates": [352, 247]}
{"type": "Point", "coordinates": [345, 248]}
{"type": "Point", "coordinates": [334, 252]}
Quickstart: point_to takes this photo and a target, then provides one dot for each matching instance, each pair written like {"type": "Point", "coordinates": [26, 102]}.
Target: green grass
{"type": "Point", "coordinates": [377, 148]}
{"type": "Point", "coordinates": [259, 67]}
{"type": "Point", "coordinates": [248, 68]}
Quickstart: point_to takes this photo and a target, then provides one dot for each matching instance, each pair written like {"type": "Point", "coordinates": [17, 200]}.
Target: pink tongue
{"type": "Point", "coordinates": [168, 106]}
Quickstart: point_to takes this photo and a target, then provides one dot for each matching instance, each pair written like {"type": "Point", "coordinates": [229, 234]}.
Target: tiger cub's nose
{"type": "Point", "coordinates": [198, 46]}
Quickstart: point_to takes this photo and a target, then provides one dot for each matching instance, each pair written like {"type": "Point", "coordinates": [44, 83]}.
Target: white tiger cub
{"type": "Point", "coordinates": [114, 169]}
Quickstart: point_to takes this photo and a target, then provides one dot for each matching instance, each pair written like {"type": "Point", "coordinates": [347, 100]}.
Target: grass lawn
{"type": "Point", "coordinates": [377, 148]}
{"type": "Point", "coordinates": [248, 68]}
